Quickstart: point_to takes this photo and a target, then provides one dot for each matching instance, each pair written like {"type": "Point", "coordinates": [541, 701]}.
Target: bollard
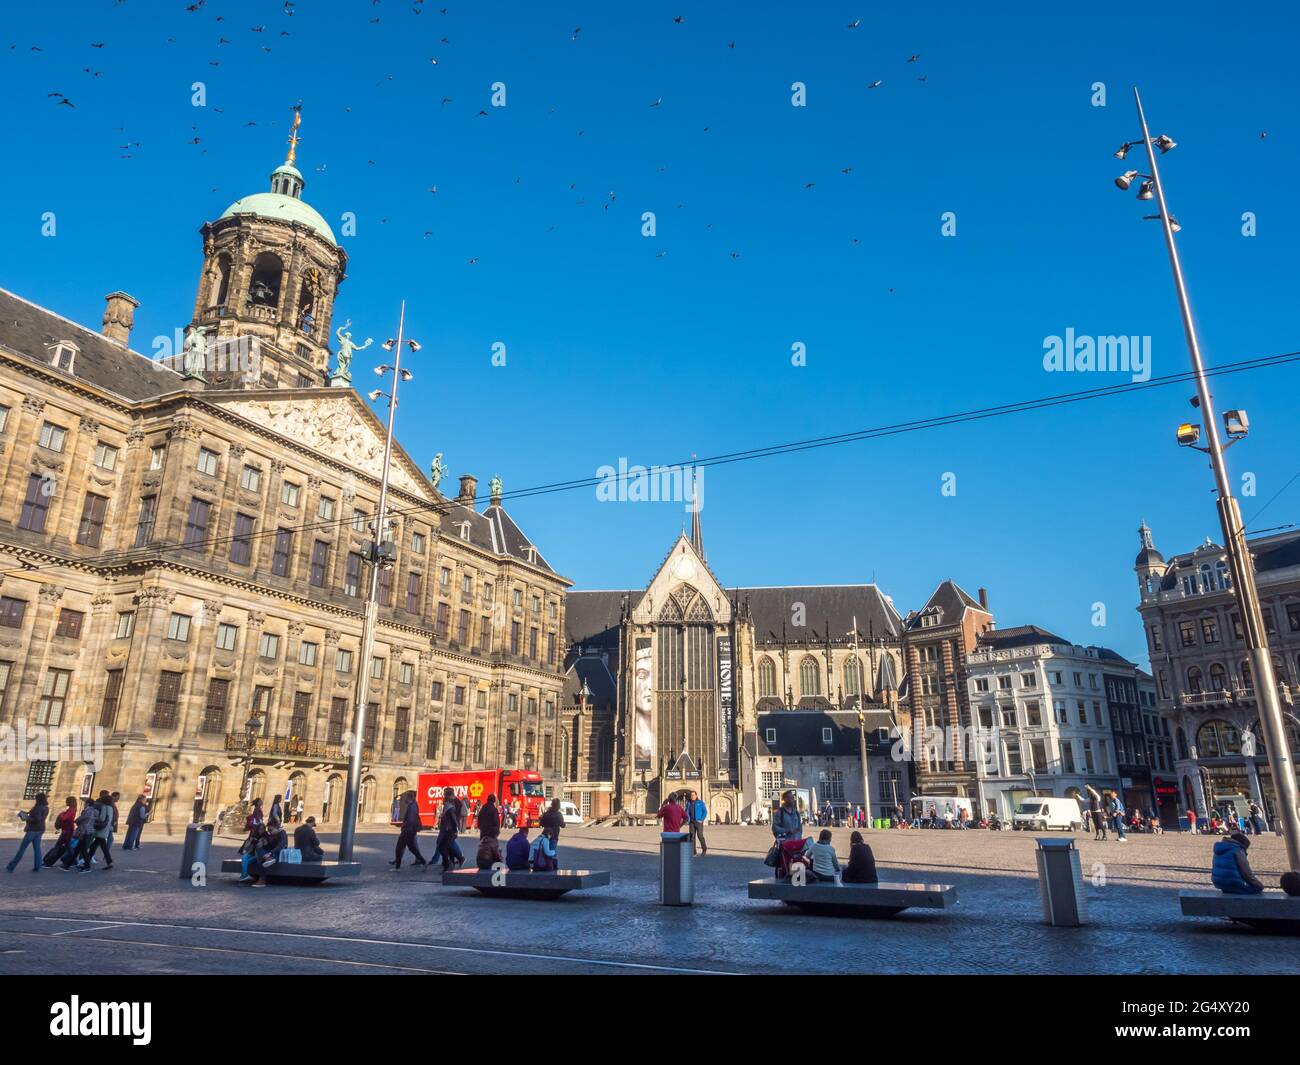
{"type": "Point", "coordinates": [198, 842]}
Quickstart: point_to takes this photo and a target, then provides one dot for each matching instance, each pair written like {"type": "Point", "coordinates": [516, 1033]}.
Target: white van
{"type": "Point", "coordinates": [570, 812]}
{"type": "Point", "coordinates": [1044, 813]}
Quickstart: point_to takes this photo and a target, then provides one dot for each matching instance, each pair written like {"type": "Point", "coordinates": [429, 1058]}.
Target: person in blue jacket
{"type": "Point", "coordinates": [1230, 871]}
{"type": "Point", "coordinates": [699, 815]}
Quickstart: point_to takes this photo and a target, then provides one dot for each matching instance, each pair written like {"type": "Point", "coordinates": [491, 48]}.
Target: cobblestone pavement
{"type": "Point", "coordinates": [141, 917]}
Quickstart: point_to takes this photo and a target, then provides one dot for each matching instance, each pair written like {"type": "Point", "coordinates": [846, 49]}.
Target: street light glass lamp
{"type": "Point", "coordinates": [1188, 434]}
{"type": "Point", "coordinates": [381, 370]}
{"type": "Point", "coordinates": [1126, 179]}
{"type": "Point", "coordinates": [1123, 150]}
{"type": "Point", "coordinates": [407, 375]}
{"type": "Point", "coordinates": [1236, 423]}
{"type": "Point", "coordinates": [1165, 144]}
{"type": "Point", "coordinates": [1146, 191]}
{"type": "Point", "coordinates": [388, 344]}
{"type": "Point", "coordinates": [414, 345]}
{"type": "Point", "coordinates": [374, 396]}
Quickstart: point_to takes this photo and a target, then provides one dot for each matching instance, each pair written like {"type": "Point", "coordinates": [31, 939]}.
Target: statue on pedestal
{"type": "Point", "coordinates": [347, 348]}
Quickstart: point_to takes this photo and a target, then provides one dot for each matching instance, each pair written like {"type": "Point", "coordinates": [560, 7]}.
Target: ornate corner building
{"type": "Point", "coordinates": [1202, 671]}
{"type": "Point", "coordinates": [182, 546]}
{"type": "Point", "coordinates": [679, 672]}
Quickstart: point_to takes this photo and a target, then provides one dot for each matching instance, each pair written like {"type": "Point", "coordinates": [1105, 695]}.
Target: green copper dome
{"type": "Point", "coordinates": [283, 202]}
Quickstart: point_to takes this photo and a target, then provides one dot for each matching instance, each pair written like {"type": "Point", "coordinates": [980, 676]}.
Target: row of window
{"type": "Point", "coordinates": [810, 677]}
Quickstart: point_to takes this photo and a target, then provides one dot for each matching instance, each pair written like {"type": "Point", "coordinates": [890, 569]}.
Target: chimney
{"type": "Point", "coordinates": [984, 598]}
{"type": "Point", "coordinates": [468, 489]}
{"type": "Point", "coordinates": [119, 316]}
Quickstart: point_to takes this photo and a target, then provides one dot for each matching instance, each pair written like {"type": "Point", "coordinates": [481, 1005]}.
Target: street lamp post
{"type": "Point", "coordinates": [381, 555]}
{"type": "Point", "coordinates": [1280, 758]}
{"type": "Point", "coordinates": [251, 728]}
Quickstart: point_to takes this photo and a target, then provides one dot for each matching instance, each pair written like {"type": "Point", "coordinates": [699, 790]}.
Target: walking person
{"type": "Point", "coordinates": [33, 828]}
{"type": "Point", "coordinates": [112, 805]}
{"type": "Point", "coordinates": [406, 837]}
{"type": "Point", "coordinates": [275, 809]}
{"type": "Point", "coordinates": [448, 828]}
{"type": "Point", "coordinates": [1191, 820]}
{"type": "Point", "coordinates": [135, 821]}
{"type": "Point", "coordinates": [699, 814]}
{"type": "Point", "coordinates": [101, 825]}
{"type": "Point", "coordinates": [66, 823]}
{"type": "Point", "coordinates": [82, 834]}
{"type": "Point", "coordinates": [1256, 818]}
{"type": "Point", "coordinates": [1095, 813]}
{"type": "Point", "coordinates": [554, 820]}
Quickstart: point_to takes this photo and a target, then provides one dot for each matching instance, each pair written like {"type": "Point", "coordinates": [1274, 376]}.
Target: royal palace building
{"type": "Point", "coordinates": [183, 546]}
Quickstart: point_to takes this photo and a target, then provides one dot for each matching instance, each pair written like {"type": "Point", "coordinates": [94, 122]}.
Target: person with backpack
{"type": "Point", "coordinates": [66, 823]}
{"type": "Point", "coordinates": [543, 855]}
{"type": "Point", "coordinates": [699, 815]}
{"type": "Point", "coordinates": [33, 828]}
{"type": "Point", "coordinates": [100, 826]}
{"type": "Point", "coordinates": [135, 822]}
{"type": "Point", "coordinates": [448, 829]}
{"type": "Point", "coordinates": [82, 834]}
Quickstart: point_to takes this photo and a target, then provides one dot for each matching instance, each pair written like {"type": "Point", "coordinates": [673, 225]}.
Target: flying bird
{"type": "Point", "coordinates": [876, 84]}
{"type": "Point", "coordinates": [657, 102]}
{"type": "Point", "coordinates": [854, 24]}
{"type": "Point", "coordinates": [913, 58]}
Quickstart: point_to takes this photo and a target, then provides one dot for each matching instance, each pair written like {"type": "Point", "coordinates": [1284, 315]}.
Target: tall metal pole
{"type": "Point", "coordinates": [352, 793]}
{"type": "Point", "coordinates": [1271, 720]}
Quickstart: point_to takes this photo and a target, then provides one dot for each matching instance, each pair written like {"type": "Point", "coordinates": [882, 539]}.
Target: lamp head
{"type": "Point", "coordinates": [414, 345]}
{"type": "Point", "coordinates": [381, 370]}
{"type": "Point", "coordinates": [1123, 150]}
{"type": "Point", "coordinates": [1188, 434]}
{"type": "Point", "coordinates": [1145, 191]}
{"type": "Point", "coordinates": [1126, 179]}
{"type": "Point", "coordinates": [388, 344]}
{"type": "Point", "coordinates": [1236, 423]}
{"type": "Point", "coordinates": [1165, 144]}
{"type": "Point", "coordinates": [374, 396]}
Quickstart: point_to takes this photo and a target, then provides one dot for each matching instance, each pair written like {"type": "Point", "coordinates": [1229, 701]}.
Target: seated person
{"type": "Point", "coordinates": [1230, 871]}
{"type": "Point", "coordinates": [862, 863]}
{"type": "Point", "coordinates": [542, 854]}
{"type": "Point", "coordinates": [267, 850]}
{"type": "Point", "coordinates": [825, 865]}
{"type": "Point", "coordinates": [489, 852]}
{"type": "Point", "coordinates": [517, 851]}
{"type": "Point", "coordinates": [1291, 883]}
{"type": "Point", "coordinates": [304, 838]}
{"type": "Point", "coordinates": [248, 851]}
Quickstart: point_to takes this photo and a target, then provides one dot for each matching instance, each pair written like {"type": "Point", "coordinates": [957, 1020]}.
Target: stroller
{"type": "Point", "coordinates": [789, 853]}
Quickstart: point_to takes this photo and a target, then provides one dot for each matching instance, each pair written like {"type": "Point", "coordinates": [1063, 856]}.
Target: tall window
{"type": "Point", "coordinates": [144, 524]}
{"type": "Point", "coordinates": [510, 747]}
{"type": "Point", "coordinates": [401, 728]}
{"type": "Point", "coordinates": [241, 544]}
{"type": "Point", "coordinates": [485, 632]}
{"type": "Point", "coordinates": [215, 707]}
{"type": "Point", "coordinates": [532, 642]}
{"type": "Point", "coordinates": [413, 582]}
{"type": "Point", "coordinates": [440, 619]}
{"type": "Point", "coordinates": [338, 715]}
{"type": "Point", "coordinates": [384, 587]}
{"type": "Point", "coordinates": [514, 637]}
{"type": "Point", "coordinates": [480, 742]}
{"type": "Point", "coordinates": [462, 628]}
{"type": "Point", "coordinates": [550, 648]}
{"type": "Point", "coordinates": [54, 694]}
{"type": "Point", "coordinates": [167, 701]}
{"type": "Point", "coordinates": [301, 718]}
{"type": "Point", "coordinates": [196, 524]}
{"type": "Point", "coordinates": [91, 529]}
{"type": "Point", "coordinates": [112, 698]}
{"type": "Point", "coordinates": [283, 552]}
{"type": "Point", "coordinates": [36, 504]}
{"type": "Point", "coordinates": [320, 554]}
{"type": "Point", "coordinates": [352, 575]}
{"type": "Point", "coordinates": [457, 742]}
{"type": "Point", "coordinates": [809, 676]}
{"type": "Point", "coordinates": [766, 677]}
{"type": "Point", "coordinates": [433, 740]}
{"type": "Point", "coordinates": [852, 677]}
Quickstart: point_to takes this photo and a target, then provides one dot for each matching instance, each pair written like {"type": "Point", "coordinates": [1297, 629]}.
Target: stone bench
{"type": "Point", "coordinates": [521, 884]}
{"type": "Point", "coordinates": [298, 872]}
{"type": "Point", "coordinates": [1270, 912]}
{"type": "Point", "coordinates": [855, 900]}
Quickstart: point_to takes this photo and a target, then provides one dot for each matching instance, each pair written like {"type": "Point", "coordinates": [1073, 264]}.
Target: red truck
{"type": "Point", "coordinates": [514, 788]}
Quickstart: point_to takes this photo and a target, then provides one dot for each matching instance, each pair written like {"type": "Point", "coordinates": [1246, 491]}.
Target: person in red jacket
{"type": "Point", "coordinates": [672, 815]}
{"type": "Point", "coordinates": [66, 823]}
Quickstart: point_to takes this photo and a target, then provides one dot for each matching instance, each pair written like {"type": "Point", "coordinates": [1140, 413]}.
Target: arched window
{"type": "Point", "coordinates": [1207, 577]}
{"type": "Point", "coordinates": [223, 280]}
{"type": "Point", "coordinates": [264, 287]}
{"type": "Point", "coordinates": [1246, 681]}
{"type": "Point", "coordinates": [852, 677]}
{"type": "Point", "coordinates": [1194, 684]}
{"type": "Point", "coordinates": [1218, 678]}
{"type": "Point", "coordinates": [1221, 570]}
{"type": "Point", "coordinates": [308, 299]}
{"type": "Point", "coordinates": [809, 677]}
{"type": "Point", "coordinates": [766, 677]}
{"type": "Point", "coordinates": [1217, 739]}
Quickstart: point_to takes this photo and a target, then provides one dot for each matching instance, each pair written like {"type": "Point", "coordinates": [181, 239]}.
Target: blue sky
{"type": "Point", "coordinates": [616, 350]}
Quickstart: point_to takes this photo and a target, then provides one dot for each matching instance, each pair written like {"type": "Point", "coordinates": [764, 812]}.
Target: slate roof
{"type": "Point", "coordinates": [600, 682]}
{"type": "Point", "coordinates": [28, 330]}
{"type": "Point", "coordinates": [1279, 551]}
{"type": "Point", "coordinates": [799, 732]}
{"type": "Point", "coordinates": [509, 539]}
{"type": "Point", "coordinates": [593, 617]}
{"type": "Point", "coordinates": [1019, 636]}
{"type": "Point", "coordinates": [951, 599]}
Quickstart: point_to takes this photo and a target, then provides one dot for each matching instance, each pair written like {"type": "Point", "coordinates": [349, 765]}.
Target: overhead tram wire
{"type": "Point", "coordinates": [155, 552]}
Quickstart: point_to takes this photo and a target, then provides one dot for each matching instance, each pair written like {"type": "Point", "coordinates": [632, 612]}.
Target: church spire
{"type": "Point", "coordinates": [697, 534]}
{"type": "Point", "coordinates": [290, 159]}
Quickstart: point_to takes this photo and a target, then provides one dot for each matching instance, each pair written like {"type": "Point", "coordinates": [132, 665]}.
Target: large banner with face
{"type": "Point", "coordinates": [642, 703]}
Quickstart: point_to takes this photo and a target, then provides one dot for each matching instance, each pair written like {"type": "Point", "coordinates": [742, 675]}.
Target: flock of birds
{"type": "Point", "coordinates": [129, 147]}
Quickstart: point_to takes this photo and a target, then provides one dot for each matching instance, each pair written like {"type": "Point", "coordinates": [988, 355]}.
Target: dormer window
{"type": "Point", "coordinates": [63, 355]}
{"type": "Point", "coordinates": [530, 553]}
{"type": "Point", "coordinates": [464, 530]}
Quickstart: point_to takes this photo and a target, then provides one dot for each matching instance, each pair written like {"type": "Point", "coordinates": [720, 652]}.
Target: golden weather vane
{"type": "Point", "coordinates": [293, 135]}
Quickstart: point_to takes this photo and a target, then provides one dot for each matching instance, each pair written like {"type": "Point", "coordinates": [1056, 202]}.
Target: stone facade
{"type": "Point", "coordinates": [1204, 686]}
{"type": "Point", "coordinates": [183, 555]}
